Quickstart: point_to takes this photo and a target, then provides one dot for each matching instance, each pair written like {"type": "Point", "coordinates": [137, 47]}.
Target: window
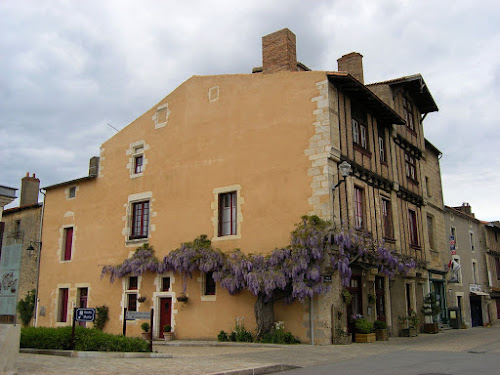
{"type": "Point", "coordinates": [381, 146]}
{"type": "Point", "coordinates": [131, 301]}
{"type": "Point", "coordinates": [140, 220]}
{"type": "Point", "coordinates": [387, 218]}
{"type": "Point", "coordinates": [165, 284]}
{"type": "Point", "coordinates": [408, 113]}
{"type": "Point", "coordinates": [68, 243]}
{"type": "Point", "coordinates": [227, 214]}
{"type": "Point", "coordinates": [459, 271]}
{"type": "Point", "coordinates": [138, 164]}
{"type": "Point", "coordinates": [132, 283]}
{"type": "Point", "coordinates": [430, 231]}
{"type": "Point", "coordinates": [210, 286]}
{"type": "Point", "coordinates": [359, 134]}
{"type": "Point", "coordinates": [497, 266]}
{"type": "Point", "coordinates": [62, 315]}
{"type": "Point", "coordinates": [72, 192]}
{"type": "Point", "coordinates": [474, 272]}
{"type": "Point", "coordinates": [429, 194]}
{"type": "Point", "coordinates": [471, 236]}
{"type": "Point", "coordinates": [410, 167]}
{"type": "Point", "coordinates": [412, 217]}
{"type": "Point", "coordinates": [358, 208]}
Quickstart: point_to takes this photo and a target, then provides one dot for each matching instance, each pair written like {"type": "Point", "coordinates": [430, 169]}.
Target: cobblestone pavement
{"type": "Point", "coordinates": [213, 359]}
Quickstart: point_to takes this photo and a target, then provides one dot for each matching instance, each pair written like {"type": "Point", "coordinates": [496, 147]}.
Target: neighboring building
{"type": "Point", "coordinates": [22, 227]}
{"type": "Point", "coordinates": [492, 240]}
{"type": "Point", "coordinates": [470, 291]}
{"type": "Point", "coordinates": [241, 158]}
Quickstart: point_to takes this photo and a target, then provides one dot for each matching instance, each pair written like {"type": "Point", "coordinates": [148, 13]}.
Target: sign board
{"type": "Point", "coordinates": [327, 279]}
{"type": "Point", "coordinates": [453, 252]}
{"type": "Point", "coordinates": [85, 315]}
{"type": "Point", "coordinates": [10, 265]}
{"type": "Point", "coordinates": [475, 288]}
{"type": "Point", "coordinates": [133, 315]}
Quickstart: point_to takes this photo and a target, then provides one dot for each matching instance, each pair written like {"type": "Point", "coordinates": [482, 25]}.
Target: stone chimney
{"type": "Point", "coordinates": [29, 190]}
{"type": "Point", "coordinates": [465, 208]}
{"type": "Point", "coordinates": [94, 166]}
{"type": "Point", "coordinates": [279, 52]}
{"type": "Point", "coordinates": [352, 63]}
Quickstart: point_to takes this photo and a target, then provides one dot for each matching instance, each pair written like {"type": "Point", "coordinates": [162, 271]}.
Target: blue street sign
{"type": "Point", "coordinates": [85, 315]}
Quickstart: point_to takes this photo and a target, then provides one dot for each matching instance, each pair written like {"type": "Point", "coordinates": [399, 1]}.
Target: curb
{"type": "Point", "coordinates": [179, 343]}
{"type": "Point", "coordinates": [257, 370]}
{"type": "Point", "coordinates": [81, 354]}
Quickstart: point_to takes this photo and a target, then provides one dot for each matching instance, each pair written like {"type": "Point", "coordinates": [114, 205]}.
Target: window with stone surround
{"type": "Point", "coordinates": [62, 308]}
{"type": "Point", "coordinates": [359, 208]}
{"type": "Point", "coordinates": [68, 244]}
{"type": "Point", "coordinates": [209, 285]}
{"type": "Point", "coordinates": [227, 214]}
{"type": "Point", "coordinates": [387, 218]}
{"type": "Point", "coordinates": [140, 220]}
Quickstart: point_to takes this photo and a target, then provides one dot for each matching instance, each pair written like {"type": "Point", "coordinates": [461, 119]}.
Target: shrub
{"type": "Point", "coordinates": [25, 307]}
{"type": "Point", "coordinates": [280, 336]}
{"type": "Point", "coordinates": [101, 317]}
{"type": "Point", "coordinates": [86, 339]}
{"type": "Point", "coordinates": [240, 333]}
{"type": "Point", "coordinates": [222, 336]}
{"type": "Point", "coordinates": [379, 324]}
{"type": "Point", "coordinates": [145, 327]}
{"type": "Point", "coordinates": [363, 326]}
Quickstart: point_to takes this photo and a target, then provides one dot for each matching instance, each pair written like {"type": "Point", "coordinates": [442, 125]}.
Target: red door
{"type": "Point", "coordinates": [165, 313]}
{"type": "Point", "coordinates": [355, 308]}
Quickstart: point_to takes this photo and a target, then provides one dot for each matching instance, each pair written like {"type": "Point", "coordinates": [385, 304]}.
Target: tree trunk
{"type": "Point", "coordinates": [264, 315]}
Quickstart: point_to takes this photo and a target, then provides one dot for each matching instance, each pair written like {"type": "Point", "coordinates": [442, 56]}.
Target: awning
{"type": "Point", "coordinates": [480, 293]}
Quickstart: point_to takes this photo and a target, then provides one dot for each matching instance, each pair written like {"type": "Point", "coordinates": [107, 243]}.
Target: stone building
{"type": "Point", "coordinates": [469, 291]}
{"type": "Point", "coordinates": [492, 245]}
{"type": "Point", "coordinates": [241, 158]}
{"type": "Point", "coordinates": [22, 227]}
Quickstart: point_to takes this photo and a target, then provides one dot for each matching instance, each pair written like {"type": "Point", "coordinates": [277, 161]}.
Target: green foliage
{"type": "Point", "coordinates": [346, 296]}
{"type": "Point", "coordinates": [363, 326]}
{"type": "Point", "coordinates": [379, 324]}
{"type": "Point", "coordinates": [409, 321]}
{"type": "Point", "coordinates": [167, 328]}
{"type": "Point", "coordinates": [241, 334]}
{"type": "Point", "coordinates": [222, 336]}
{"type": "Point", "coordinates": [279, 336]}
{"type": "Point", "coordinates": [101, 317]}
{"type": "Point", "coordinates": [145, 327]}
{"type": "Point", "coordinates": [86, 339]}
{"type": "Point", "coordinates": [26, 306]}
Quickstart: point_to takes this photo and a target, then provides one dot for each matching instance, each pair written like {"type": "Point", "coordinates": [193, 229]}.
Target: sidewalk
{"type": "Point", "coordinates": [195, 357]}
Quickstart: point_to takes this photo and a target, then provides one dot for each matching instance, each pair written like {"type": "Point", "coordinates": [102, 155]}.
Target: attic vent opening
{"type": "Point", "coordinates": [161, 116]}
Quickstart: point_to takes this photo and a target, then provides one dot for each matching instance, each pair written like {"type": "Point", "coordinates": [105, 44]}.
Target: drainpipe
{"type": "Point", "coordinates": [311, 320]}
{"type": "Point", "coordinates": [38, 261]}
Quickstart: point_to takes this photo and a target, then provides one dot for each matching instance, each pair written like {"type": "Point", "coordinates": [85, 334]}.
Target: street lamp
{"type": "Point", "coordinates": [31, 250]}
{"type": "Point", "coordinates": [345, 170]}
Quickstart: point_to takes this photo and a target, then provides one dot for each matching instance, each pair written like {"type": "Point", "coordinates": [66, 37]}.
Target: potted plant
{"type": "Point", "coordinates": [146, 334]}
{"type": "Point", "coordinates": [141, 299]}
{"type": "Point", "coordinates": [182, 297]}
{"type": "Point", "coordinates": [168, 335]}
{"type": "Point", "coordinates": [342, 337]}
{"type": "Point", "coordinates": [381, 330]}
{"type": "Point", "coordinates": [430, 309]}
{"type": "Point", "coordinates": [409, 324]}
{"type": "Point", "coordinates": [364, 331]}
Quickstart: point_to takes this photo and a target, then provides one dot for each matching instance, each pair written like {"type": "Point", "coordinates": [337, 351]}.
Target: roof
{"type": "Point", "coordinates": [417, 89]}
{"type": "Point", "coordinates": [431, 146]}
{"type": "Point", "coordinates": [467, 216]}
{"type": "Point", "coordinates": [358, 91]}
{"type": "Point", "coordinates": [22, 208]}
{"type": "Point", "coordinates": [86, 178]}
{"type": "Point", "coordinates": [7, 191]}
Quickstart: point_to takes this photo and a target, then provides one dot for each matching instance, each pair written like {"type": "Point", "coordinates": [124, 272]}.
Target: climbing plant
{"type": "Point", "coordinates": [26, 306]}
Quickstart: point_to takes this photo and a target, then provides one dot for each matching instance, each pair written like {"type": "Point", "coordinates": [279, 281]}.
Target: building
{"type": "Point", "coordinates": [469, 290]}
{"type": "Point", "coordinates": [22, 227]}
{"type": "Point", "coordinates": [241, 158]}
{"type": "Point", "coordinates": [492, 245]}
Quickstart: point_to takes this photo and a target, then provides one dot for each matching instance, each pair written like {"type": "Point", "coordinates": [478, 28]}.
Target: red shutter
{"type": "Point", "coordinates": [63, 308]}
{"type": "Point", "coordinates": [69, 243]}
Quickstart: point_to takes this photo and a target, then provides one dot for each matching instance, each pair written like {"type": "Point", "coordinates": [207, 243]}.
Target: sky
{"type": "Point", "coordinates": [72, 70]}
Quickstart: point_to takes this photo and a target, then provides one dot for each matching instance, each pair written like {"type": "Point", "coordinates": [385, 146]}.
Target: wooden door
{"type": "Point", "coordinates": [165, 313]}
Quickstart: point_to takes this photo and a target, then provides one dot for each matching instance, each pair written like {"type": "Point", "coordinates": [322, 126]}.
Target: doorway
{"type": "Point", "coordinates": [165, 313]}
{"type": "Point", "coordinates": [82, 301]}
{"type": "Point", "coordinates": [355, 308]}
{"type": "Point", "coordinates": [476, 311]}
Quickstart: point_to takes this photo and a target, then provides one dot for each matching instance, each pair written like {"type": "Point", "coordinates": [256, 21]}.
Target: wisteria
{"type": "Point", "coordinates": [294, 272]}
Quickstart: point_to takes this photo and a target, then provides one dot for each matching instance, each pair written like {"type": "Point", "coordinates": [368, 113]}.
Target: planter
{"type": "Point", "coordinates": [382, 334]}
{"type": "Point", "coordinates": [168, 336]}
{"type": "Point", "coordinates": [146, 335]}
{"type": "Point", "coordinates": [365, 337]}
{"type": "Point", "coordinates": [182, 298]}
{"type": "Point", "coordinates": [408, 332]}
{"type": "Point", "coordinates": [431, 328]}
{"type": "Point", "coordinates": [343, 340]}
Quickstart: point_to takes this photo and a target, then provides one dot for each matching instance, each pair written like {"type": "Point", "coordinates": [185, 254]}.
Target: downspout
{"type": "Point", "coordinates": [311, 320]}
{"type": "Point", "coordinates": [38, 261]}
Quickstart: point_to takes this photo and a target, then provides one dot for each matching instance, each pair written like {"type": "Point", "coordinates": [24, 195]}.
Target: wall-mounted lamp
{"type": "Point", "coordinates": [31, 250]}
{"type": "Point", "coordinates": [345, 170]}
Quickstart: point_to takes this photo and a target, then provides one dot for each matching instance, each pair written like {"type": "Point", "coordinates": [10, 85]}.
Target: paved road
{"type": "Point", "coordinates": [476, 348]}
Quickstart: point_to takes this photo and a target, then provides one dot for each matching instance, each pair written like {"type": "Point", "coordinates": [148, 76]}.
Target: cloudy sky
{"type": "Point", "coordinates": [70, 68]}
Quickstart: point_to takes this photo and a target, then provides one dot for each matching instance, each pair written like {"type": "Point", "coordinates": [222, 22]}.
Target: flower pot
{"type": "Point", "coordinates": [431, 328]}
{"type": "Point", "coordinates": [343, 339]}
{"type": "Point", "coordinates": [365, 337]}
{"type": "Point", "coordinates": [182, 298]}
{"type": "Point", "coordinates": [382, 334]}
{"type": "Point", "coordinates": [168, 336]}
{"type": "Point", "coordinates": [408, 332]}
{"type": "Point", "coordinates": [146, 335]}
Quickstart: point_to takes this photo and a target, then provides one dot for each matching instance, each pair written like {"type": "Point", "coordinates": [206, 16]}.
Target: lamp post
{"type": "Point", "coordinates": [31, 251]}
{"type": "Point", "coordinates": [345, 170]}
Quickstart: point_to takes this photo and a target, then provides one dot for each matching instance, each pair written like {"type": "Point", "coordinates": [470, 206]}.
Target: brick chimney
{"type": "Point", "coordinates": [352, 63]}
{"type": "Point", "coordinates": [29, 190]}
{"type": "Point", "coordinates": [279, 52]}
{"type": "Point", "coordinates": [465, 208]}
{"type": "Point", "coordinates": [94, 166]}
